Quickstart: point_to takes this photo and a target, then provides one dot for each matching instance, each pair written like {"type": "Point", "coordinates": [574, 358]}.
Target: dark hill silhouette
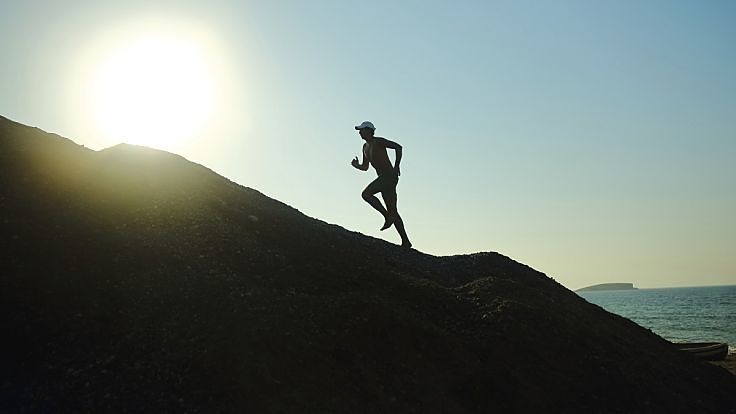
{"type": "Point", "coordinates": [134, 280]}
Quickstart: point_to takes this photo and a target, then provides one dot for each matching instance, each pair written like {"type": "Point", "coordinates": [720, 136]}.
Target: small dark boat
{"type": "Point", "coordinates": [707, 351]}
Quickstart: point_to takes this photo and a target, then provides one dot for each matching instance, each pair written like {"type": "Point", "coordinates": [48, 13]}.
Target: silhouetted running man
{"type": "Point", "coordinates": [374, 152]}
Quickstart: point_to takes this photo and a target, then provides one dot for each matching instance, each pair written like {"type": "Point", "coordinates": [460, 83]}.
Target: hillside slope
{"type": "Point", "coordinates": [135, 280]}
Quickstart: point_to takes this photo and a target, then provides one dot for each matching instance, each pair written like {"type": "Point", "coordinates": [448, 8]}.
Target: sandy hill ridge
{"type": "Point", "coordinates": [135, 280]}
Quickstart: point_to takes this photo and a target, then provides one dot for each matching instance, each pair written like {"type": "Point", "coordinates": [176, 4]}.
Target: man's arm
{"type": "Point", "coordinates": [396, 147]}
{"type": "Point", "coordinates": [363, 166]}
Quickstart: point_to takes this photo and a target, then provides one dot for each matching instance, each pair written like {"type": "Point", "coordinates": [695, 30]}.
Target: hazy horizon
{"type": "Point", "coordinates": [593, 142]}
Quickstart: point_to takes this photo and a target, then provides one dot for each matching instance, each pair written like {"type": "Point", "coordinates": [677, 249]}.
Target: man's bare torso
{"type": "Point", "coordinates": [375, 152]}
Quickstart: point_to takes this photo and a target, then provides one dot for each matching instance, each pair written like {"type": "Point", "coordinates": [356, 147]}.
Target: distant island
{"type": "Point", "coordinates": [608, 286]}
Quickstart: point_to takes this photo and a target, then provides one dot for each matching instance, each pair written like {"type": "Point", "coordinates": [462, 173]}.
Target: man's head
{"type": "Point", "coordinates": [366, 130]}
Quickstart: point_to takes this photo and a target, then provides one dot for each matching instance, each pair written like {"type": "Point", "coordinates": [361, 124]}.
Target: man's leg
{"type": "Point", "coordinates": [370, 198]}
{"type": "Point", "coordinates": [393, 216]}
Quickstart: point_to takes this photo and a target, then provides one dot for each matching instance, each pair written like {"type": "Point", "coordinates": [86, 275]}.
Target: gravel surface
{"type": "Point", "coordinates": [134, 280]}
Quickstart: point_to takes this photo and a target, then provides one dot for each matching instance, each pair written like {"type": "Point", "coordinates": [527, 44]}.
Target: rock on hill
{"type": "Point", "coordinates": [134, 280]}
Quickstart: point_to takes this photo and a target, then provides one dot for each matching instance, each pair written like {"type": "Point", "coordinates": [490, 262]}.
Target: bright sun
{"type": "Point", "coordinates": [156, 91]}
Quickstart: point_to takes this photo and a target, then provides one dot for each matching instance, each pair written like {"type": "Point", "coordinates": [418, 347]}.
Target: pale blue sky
{"type": "Point", "coordinates": [594, 141]}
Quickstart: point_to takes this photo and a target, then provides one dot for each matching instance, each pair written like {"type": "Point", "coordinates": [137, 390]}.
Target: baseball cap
{"type": "Point", "coordinates": [366, 124]}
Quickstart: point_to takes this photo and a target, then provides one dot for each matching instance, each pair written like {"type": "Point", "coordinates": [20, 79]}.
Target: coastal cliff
{"type": "Point", "coordinates": [135, 280]}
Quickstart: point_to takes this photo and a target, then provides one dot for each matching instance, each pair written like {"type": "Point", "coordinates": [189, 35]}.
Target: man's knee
{"type": "Point", "coordinates": [366, 195]}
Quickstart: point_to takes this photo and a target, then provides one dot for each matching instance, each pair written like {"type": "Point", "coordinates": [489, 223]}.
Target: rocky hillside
{"type": "Point", "coordinates": [134, 280]}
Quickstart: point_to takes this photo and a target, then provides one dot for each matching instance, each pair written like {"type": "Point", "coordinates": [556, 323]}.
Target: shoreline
{"type": "Point", "coordinates": [729, 363]}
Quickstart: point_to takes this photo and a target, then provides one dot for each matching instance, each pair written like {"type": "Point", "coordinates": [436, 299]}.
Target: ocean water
{"type": "Point", "coordinates": [692, 314]}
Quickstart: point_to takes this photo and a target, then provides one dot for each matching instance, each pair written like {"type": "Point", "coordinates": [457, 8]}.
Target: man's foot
{"type": "Point", "coordinates": [388, 223]}
{"type": "Point", "coordinates": [406, 244]}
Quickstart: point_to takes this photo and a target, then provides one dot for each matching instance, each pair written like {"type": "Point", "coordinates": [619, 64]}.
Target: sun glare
{"type": "Point", "coordinates": [156, 91]}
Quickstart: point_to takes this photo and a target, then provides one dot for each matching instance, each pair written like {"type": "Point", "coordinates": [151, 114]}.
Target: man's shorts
{"type": "Point", "coordinates": [385, 184]}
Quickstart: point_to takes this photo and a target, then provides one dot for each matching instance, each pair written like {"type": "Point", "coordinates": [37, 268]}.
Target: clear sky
{"type": "Point", "coordinates": [593, 141]}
